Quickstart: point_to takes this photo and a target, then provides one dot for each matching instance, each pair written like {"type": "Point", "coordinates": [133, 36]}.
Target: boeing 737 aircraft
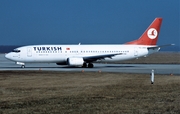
{"type": "Point", "coordinates": [85, 55]}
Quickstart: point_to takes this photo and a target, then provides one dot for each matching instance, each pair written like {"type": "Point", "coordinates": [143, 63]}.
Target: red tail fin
{"type": "Point", "coordinates": [150, 36]}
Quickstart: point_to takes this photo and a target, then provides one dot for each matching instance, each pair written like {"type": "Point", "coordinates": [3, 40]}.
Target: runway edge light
{"type": "Point", "coordinates": [152, 77]}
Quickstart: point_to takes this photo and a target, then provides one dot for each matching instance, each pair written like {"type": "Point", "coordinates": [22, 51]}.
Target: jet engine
{"type": "Point", "coordinates": [72, 61]}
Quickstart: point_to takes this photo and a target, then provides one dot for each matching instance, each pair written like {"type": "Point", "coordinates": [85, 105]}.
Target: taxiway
{"type": "Point", "coordinates": [125, 68]}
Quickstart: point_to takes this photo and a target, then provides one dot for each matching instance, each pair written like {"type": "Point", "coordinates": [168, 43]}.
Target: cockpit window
{"type": "Point", "coordinates": [16, 50]}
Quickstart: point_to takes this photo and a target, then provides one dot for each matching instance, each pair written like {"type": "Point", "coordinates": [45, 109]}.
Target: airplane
{"type": "Point", "coordinates": [86, 55]}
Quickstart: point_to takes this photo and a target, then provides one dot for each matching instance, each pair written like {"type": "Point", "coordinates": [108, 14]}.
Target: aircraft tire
{"type": "Point", "coordinates": [84, 65]}
{"type": "Point", "coordinates": [90, 65]}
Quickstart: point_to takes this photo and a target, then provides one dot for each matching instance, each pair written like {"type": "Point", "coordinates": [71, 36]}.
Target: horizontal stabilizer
{"type": "Point", "coordinates": [160, 46]}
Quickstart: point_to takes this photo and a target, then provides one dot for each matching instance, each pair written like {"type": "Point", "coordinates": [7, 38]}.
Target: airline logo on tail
{"type": "Point", "coordinates": [152, 33]}
{"type": "Point", "coordinates": [150, 36]}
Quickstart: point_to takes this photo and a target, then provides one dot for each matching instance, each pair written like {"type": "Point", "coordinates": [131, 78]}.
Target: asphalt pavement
{"type": "Point", "coordinates": [98, 67]}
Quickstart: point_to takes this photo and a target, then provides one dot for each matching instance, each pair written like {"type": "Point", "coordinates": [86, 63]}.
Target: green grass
{"type": "Point", "coordinates": [76, 92]}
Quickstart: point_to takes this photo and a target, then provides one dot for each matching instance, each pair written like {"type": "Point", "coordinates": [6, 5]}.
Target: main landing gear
{"type": "Point", "coordinates": [90, 65]}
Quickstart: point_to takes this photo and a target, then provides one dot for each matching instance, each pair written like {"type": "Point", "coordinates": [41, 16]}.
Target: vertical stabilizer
{"type": "Point", "coordinates": [150, 36]}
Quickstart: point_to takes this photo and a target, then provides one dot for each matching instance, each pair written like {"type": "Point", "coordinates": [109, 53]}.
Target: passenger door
{"type": "Point", "coordinates": [29, 52]}
{"type": "Point", "coordinates": [135, 51]}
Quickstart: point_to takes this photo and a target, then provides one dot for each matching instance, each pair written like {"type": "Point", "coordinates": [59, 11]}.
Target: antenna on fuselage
{"type": "Point", "coordinates": [79, 43]}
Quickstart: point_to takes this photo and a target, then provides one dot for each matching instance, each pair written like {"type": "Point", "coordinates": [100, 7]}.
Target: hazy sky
{"type": "Point", "coordinates": [24, 22]}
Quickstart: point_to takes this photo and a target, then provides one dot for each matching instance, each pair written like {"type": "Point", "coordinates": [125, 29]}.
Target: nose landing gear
{"type": "Point", "coordinates": [22, 66]}
{"type": "Point", "coordinates": [21, 63]}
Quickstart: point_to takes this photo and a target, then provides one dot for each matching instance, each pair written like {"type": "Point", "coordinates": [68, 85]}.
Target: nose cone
{"type": "Point", "coordinates": [8, 56]}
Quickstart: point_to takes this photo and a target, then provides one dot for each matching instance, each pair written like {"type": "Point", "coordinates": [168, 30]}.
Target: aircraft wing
{"type": "Point", "coordinates": [99, 57]}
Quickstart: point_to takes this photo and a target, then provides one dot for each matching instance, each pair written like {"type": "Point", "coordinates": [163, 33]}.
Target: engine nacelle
{"type": "Point", "coordinates": [75, 61]}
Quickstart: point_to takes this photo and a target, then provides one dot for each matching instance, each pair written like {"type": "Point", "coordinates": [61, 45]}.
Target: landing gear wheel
{"type": "Point", "coordinates": [84, 65]}
{"type": "Point", "coordinates": [23, 66]}
{"type": "Point", "coordinates": [90, 65]}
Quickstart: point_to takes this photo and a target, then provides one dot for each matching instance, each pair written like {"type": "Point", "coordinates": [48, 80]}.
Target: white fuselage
{"type": "Point", "coordinates": [85, 55]}
{"type": "Point", "coordinates": [60, 53]}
